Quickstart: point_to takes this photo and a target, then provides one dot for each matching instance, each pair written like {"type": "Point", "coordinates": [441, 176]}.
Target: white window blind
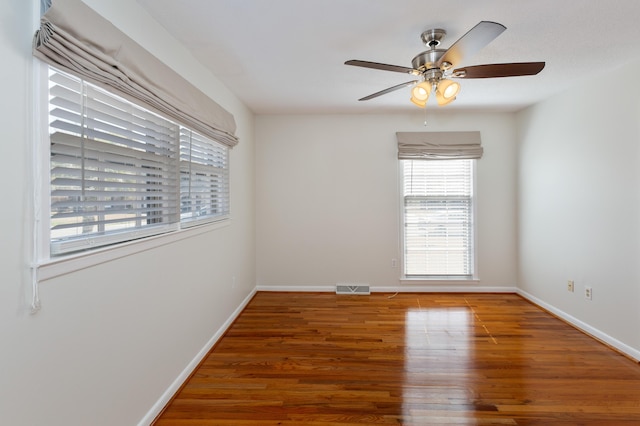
{"type": "Point", "coordinates": [438, 217]}
{"type": "Point", "coordinates": [204, 178]}
{"type": "Point", "coordinates": [120, 172]}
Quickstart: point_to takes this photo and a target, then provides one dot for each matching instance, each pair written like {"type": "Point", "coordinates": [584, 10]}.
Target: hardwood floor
{"type": "Point", "coordinates": [412, 359]}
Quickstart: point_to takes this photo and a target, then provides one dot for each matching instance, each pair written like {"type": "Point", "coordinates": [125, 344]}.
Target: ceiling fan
{"type": "Point", "coordinates": [435, 67]}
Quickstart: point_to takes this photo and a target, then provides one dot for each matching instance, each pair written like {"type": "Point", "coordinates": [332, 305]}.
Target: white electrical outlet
{"type": "Point", "coordinates": [570, 286]}
{"type": "Point", "coordinates": [588, 293]}
{"type": "Point", "coordinates": [394, 263]}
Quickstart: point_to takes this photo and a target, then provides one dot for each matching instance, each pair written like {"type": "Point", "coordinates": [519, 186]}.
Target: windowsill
{"type": "Point", "coordinates": [63, 265]}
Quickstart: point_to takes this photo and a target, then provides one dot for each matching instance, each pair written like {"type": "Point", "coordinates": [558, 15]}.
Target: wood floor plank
{"type": "Point", "coordinates": [412, 359]}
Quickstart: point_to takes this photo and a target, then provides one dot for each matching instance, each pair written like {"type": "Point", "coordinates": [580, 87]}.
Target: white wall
{"type": "Point", "coordinates": [327, 198]}
{"type": "Point", "coordinates": [579, 205]}
{"type": "Point", "coordinates": [109, 340]}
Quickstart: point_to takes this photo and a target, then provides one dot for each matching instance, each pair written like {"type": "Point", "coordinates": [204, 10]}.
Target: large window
{"type": "Point", "coordinates": [120, 172]}
{"type": "Point", "coordinates": [438, 218]}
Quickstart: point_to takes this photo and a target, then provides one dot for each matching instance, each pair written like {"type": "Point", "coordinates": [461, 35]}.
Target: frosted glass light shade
{"type": "Point", "coordinates": [421, 91]}
{"type": "Point", "coordinates": [418, 102]}
{"type": "Point", "coordinates": [447, 91]}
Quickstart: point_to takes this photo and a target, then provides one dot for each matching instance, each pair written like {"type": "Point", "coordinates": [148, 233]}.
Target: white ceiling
{"type": "Point", "coordinates": [287, 56]}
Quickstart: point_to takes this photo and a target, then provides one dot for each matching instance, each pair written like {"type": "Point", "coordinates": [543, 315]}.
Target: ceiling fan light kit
{"type": "Point", "coordinates": [434, 66]}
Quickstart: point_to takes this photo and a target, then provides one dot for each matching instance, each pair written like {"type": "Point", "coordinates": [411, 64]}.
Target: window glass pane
{"type": "Point", "coordinates": [438, 217]}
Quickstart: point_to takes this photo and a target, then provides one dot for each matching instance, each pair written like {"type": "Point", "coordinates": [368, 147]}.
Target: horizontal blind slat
{"type": "Point", "coordinates": [69, 164]}
{"type": "Point", "coordinates": [135, 212]}
{"type": "Point", "coordinates": [120, 220]}
{"type": "Point", "coordinates": [96, 135]}
{"type": "Point", "coordinates": [65, 204]}
{"type": "Point", "coordinates": [95, 149]}
{"type": "Point", "coordinates": [112, 127]}
{"type": "Point", "coordinates": [85, 184]}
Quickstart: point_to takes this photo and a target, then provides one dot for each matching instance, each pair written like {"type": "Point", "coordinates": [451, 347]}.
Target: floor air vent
{"type": "Point", "coordinates": [352, 289]}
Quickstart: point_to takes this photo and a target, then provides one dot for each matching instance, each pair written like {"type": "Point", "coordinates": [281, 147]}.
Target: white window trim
{"type": "Point", "coordinates": [437, 280]}
{"type": "Point", "coordinates": [44, 266]}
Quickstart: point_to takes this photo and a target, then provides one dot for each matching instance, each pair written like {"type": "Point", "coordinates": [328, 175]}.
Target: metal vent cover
{"type": "Point", "coordinates": [353, 289]}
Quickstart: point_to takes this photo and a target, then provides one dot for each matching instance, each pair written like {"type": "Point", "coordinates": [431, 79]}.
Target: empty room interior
{"type": "Point", "coordinates": [343, 212]}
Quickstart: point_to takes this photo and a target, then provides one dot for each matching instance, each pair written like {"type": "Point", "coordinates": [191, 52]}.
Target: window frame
{"type": "Point", "coordinates": [48, 266]}
{"type": "Point", "coordinates": [435, 279]}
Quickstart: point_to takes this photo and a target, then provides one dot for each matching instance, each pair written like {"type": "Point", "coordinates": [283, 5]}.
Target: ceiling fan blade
{"type": "Point", "coordinates": [390, 89]}
{"type": "Point", "coordinates": [470, 43]}
{"type": "Point", "coordinates": [378, 66]}
{"type": "Point", "coordinates": [499, 70]}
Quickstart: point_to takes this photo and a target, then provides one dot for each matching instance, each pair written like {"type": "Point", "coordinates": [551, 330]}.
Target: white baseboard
{"type": "Point", "coordinates": [592, 331]}
{"type": "Point", "coordinates": [184, 375]}
{"type": "Point", "coordinates": [414, 288]}
{"type": "Point", "coordinates": [298, 288]}
{"type": "Point", "coordinates": [443, 288]}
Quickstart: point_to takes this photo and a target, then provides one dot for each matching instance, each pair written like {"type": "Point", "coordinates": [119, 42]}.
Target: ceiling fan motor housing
{"type": "Point", "coordinates": [427, 59]}
{"type": "Point", "coordinates": [430, 59]}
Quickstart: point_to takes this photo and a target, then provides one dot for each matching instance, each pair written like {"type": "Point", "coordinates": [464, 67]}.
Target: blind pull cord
{"type": "Point", "coordinates": [35, 287]}
{"type": "Point", "coordinates": [37, 202]}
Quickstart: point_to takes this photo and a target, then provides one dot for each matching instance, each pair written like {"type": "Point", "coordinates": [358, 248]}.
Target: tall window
{"type": "Point", "coordinates": [121, 172]}
{"type": "Point", "coordinates": [438, 217]}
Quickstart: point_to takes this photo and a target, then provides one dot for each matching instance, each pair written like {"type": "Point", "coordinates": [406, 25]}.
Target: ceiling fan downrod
{"type": "Point", "coordinates": [432, 38]}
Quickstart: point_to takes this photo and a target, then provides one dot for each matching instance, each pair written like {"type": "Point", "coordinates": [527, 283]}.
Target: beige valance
{"type": "Point", "coordinates": [74, 38]}
{"type": "Point", "coordinates": [438, 145]}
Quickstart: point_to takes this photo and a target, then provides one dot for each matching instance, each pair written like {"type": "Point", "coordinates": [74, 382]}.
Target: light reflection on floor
{"type": "Point", "coordinates": [438, 350]}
